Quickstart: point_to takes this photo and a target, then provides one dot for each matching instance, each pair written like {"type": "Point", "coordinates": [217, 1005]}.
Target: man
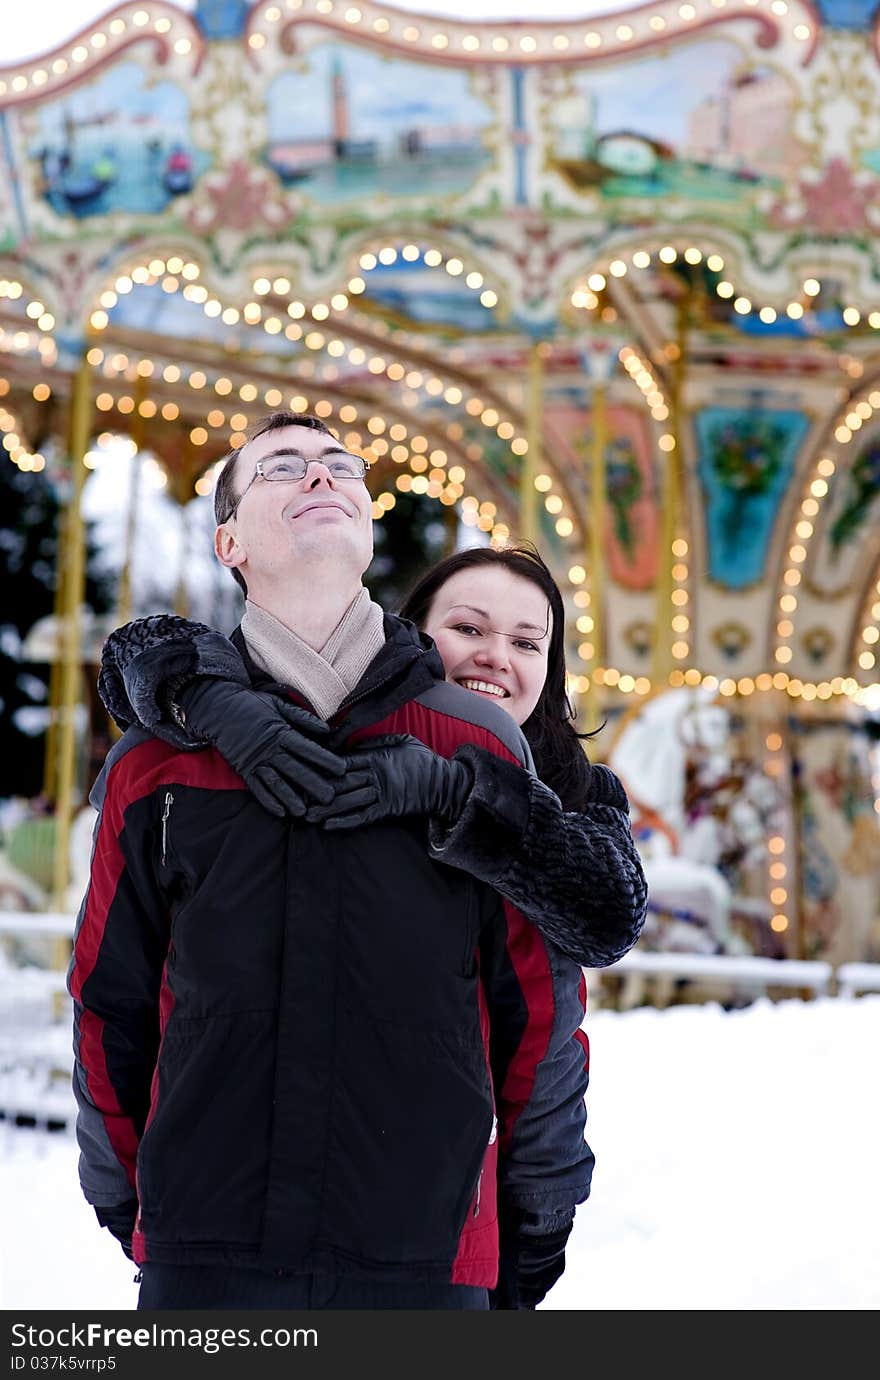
{"type": "Point", "coordinates": [315, 1068]}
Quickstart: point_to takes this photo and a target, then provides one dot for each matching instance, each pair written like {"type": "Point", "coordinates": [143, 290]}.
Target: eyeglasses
{"type": "Point", "coordinates": [280, 469]}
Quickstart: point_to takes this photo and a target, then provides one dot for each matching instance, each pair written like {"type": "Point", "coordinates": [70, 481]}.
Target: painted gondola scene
{"type": "Point", "coordinates": [118, 145]}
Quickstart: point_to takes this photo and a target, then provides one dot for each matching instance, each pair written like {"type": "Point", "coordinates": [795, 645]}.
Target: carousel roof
{"type": "Point", "coordinates": [31, 32]}
{"type": "Point", "coordinates": [609, 279]}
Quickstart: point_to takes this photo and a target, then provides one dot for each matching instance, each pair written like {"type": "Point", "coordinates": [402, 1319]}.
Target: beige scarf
{"type": "Point", "coordinates": [323, 678]}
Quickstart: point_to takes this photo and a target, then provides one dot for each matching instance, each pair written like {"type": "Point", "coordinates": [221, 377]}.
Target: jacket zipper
{"type": "Point", "coordinates": [169, 801]}
{"type": "Point", "coordinates": [365, 694]}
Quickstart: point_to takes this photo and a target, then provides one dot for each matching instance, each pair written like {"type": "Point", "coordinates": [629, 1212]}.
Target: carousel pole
{"type": "Point", "coordinates": [181, 594]}
{"type": "Point", "coordinates": [671, 493]}
{"type": "Point", "coordinates": [450, 529]}
{"type": "Point", "coordinates": [74, 588]}
{"type": "Point", "coordinates": [599, 358]}
{"type": "Point", "coordinates": [124, 598]}
{"type": "Point", "coordinates": [528, 498]}
{"type": "Point", "coordinates": [796, 805]}
{"type": "Point", "coordinates": [181, 492]}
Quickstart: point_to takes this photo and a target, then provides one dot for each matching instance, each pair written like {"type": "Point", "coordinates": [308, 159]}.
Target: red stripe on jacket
{"type": "Point", "coordinates": [139, 772]}
{"type": "Point", "coordinates": [477, 1256]}
{"type": "Point", "coordinates": [166, 1006]}
{"type": "Point", "coordinates": [532, 967]}
{"type": "Point", "coordinates": [442, 732]}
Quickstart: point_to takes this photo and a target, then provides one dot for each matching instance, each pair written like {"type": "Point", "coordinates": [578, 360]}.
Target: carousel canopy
{"type": "Point", "coordinates": [608, 280]}
{"type": "Point", "coordinates": [31, 32]}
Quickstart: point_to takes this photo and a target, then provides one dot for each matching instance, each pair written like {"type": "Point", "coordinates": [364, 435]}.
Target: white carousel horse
{"type": "Point", "coordinates": [650, 756]}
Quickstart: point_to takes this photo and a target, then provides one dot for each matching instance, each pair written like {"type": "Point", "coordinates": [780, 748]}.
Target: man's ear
{"type": "Point", "coordinates": [227, 548]}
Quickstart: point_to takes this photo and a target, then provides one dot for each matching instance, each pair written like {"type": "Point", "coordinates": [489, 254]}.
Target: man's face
{"type": "Point", "coordinates": [282, 528]}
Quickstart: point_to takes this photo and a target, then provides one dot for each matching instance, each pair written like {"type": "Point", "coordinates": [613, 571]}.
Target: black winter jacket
{"type": "Point", "coordinates": [319, 1052]}
{"type": "Point", "coordinates": [576, 874]}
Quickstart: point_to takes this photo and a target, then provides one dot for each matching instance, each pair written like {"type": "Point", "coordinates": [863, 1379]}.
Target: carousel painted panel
{"type": "Point", "coordinates": [700, 125]}
{"type": "Point", "coordinates": [119, 143]}
{"type": "Point", "coordinates": [839, 860]}
{"type": "Point", "coordinates": [350, 126]}
{"type": "Point", "coordinates": [632, 528]}
{"type": "Point", "coordinates": [851, 512]}
{"type": "Point", "coordinates": [746, 461]}
{"type": "Point", "coordinates": [11, 211]}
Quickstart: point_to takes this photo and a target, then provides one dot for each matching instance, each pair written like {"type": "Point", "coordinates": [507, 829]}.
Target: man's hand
{"type": "Point", "coordinates": [269, 743]}
{"type": "Point", "coordinates": [529, 1265]}
{"type": "Point", "coordinates": [392, 776]}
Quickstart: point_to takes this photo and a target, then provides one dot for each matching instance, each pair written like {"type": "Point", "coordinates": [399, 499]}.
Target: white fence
{"type": "Point", "coordinates": [35, 1027]}
{"type": "Point", "coordinates": [643, 976]}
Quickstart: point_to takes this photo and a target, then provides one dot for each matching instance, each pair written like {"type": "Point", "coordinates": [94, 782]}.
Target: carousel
{"type": "Point", "coordinates": [611, 285]}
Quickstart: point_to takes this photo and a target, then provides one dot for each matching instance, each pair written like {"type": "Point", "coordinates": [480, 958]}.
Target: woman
{"type": "Point", "coordinates": [557, 845]}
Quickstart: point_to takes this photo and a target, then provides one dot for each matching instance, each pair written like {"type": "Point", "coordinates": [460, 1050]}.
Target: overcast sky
{"type": "Point", "coordinates": [29, 30]}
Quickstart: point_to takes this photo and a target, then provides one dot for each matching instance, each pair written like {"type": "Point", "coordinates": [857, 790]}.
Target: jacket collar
{"type": "Point", "coordinates": [405, 666]}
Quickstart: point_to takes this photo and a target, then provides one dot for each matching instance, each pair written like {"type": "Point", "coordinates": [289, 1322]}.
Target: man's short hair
{"type": "Point", "coordinates": [224, 490]}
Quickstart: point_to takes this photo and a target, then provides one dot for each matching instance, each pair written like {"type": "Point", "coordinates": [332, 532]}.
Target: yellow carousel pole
{"type": "Point", "coordinates": [181, 594]}
{"type": "Point", "coordinates": [598, 506]}
{"type": "Point", "coordinates": [74, 588]}
{"type": "Point", "coordinates": [181, 489]}
{"type": "Point", "coordinates": [671, 493]}
{"type": "Point", "coordinates": [528, 498]}
{"type": "Point", "coordinates": [599, 359]}
{"type": "Point", "coordinates": [668, 527]}
{"type": "Point", "coordinates": [137, 437]}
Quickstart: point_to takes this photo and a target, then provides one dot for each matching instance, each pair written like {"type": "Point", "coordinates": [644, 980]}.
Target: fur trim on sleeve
{"type": "Point", "coordinates": [145, 661]}
{"type": "Point", "coordinates": [577, 876]}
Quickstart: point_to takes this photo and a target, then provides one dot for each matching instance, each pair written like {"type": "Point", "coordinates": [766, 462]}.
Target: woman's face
{"type": "Point", "coordinates": [492, 629]}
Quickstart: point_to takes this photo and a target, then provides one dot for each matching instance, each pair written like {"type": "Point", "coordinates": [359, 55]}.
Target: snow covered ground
{"type": "Point", "coordinates": [736, 1169]}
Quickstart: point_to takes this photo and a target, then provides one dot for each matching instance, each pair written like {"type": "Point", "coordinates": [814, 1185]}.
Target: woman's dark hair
{"type": "Point", "coordinates": [556, 748]}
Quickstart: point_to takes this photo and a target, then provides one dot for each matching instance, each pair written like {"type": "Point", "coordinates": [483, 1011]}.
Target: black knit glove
{"type": "Point", "coordinates": [528, 1267]}
{"type": "Point", "coordinates": [119, 1221]}
{"type": "Point", "coordinates": [269, 743]}
{"type": "Point", "coordinates": [391, 776]}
